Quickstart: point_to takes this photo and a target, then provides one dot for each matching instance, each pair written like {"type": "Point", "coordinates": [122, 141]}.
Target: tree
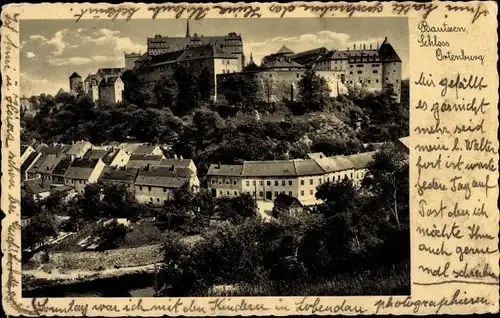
{"type": "Point", "coordinates": [388, 177]}
{"type": "Point", "coordinates": [205, 84]}
{"type": "Point", "coordinates": [314, 92]}
{"type": "Point", "coordinates": [240, 90]}
{"type": "Point", "coordinates": [40, 227]}
{"type": "Point", "coordinates": [166, 91]}
{"type": "Point", "coordinates": [118, 202]}
{"type": "Point", "coordinates": [188, 97]}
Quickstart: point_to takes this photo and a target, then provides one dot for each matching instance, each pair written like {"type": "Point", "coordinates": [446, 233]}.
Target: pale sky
{"type": "Point", "coordinates": [53, 49]}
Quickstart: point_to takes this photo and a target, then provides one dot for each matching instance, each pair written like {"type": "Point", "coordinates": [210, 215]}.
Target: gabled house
{"type": "Point", "coordinates": [111, 157]}
{"type": "Point", "coordinates": [55, 149]}
{"type": "Point", "coordinates": [44, 167]}
{"type": "Point", "coordinates": [180, 163]}
{"type": "Point", "coordinates": [141, 161]}
{"type": "Point", "coordinates": [28, 164]}
{"type": "Point", "coordinates": [147, 150]}
{"type": "Point", "coordinates": [119, 175]}
{"type": "Point", "coordinates": [60, 171]}
{"type": "Point", "coordinates": [37, 188]}
{"type": "Point", "coordinates": [82, 172]}
{"type": "Point", "coordinates": [111, 89]}
{"type": "Point", "coordinates": [79, 149]}
{"type": "Point", "coordinates": [26, 151]}
{"type": "Point", "coordinates": [285, 205]}
{"type": "Point", "coordinates": [155, 185]}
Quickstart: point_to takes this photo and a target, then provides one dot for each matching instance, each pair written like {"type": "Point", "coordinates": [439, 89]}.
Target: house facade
{"type": "Point", "coordinates": [299, 178]}
{"type": "Point", "coordinates": [83, 172]}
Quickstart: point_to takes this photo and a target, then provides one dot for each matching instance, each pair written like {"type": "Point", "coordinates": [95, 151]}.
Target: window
{"type": "Point", "coordinates": [227, 192]}
{"type": "Point", "coordinates": [262, 183]}
{"type": "Point", "coordinates": [333, 178]}
{"type": "Point", "coordinates": [283, 183]}
{"type": "Point", "coordinates": [351, 174]}
{"type": "Point", "coordinates": [164, 189]}
{"type": "Point", "coordinates": [375, 71]}
{"type": "Point", "coordinates": [234, 182]}
{"type": "Point", "coordinates": [149, 188]}
{"type": "Point", "coordinates": [361, 81]}
{"type": "Point", "coordinates": [301, 182]}
{"type": "Point", "coordinates": [220, 192]}
{"type": "Point", "coordinates": [276, 183]}
{"type": "Point", "coordinates": [213, 181]}
{"type": "Point", "coordinates": [350, 72]}
{"type": "Point", "coordinates": [290, 193]}
{"type": "Point", "coordinates": [328, 179]}
{"type": "Point", "coordinates": [253, 182]}
{"type": "Point", "coordinates": [235, 193]}
{"type": "Point", "coordinates": [220, 181]}
{"type": "Point", "coordinates": [311, 181]}
{"type": "Point", "coordinates": [268, 183]}
{"type": "Point", "coordinates": [376, 80]}
{"type": "Point", "coordinates": [397, 81]}
{"type": "Point", "coordinates": [394, 71]}
{"type": "Point", "coordinates": [275, 193]}
{"type": "Point", "coordinates": [369, 81]}
{"type": "Point", "coordinates": [140, 188]}
{"type": "Point", "coordinates": [151, 199]}
{"type": "Point", "coordinates": [261, 194]}
{"type": "Point", "coordinates": [157, 199]}
{"type": "Point", "coordinates": [359, 65]}
{"type": "Point", "coordinates": [351, 65]}
{"type": "Point", "coordinates": [319, 181]}
{"type": "Point", "coordinates": [302, 193]}
{"type": "Point", "coordinates": [310, 192]}
{"type": "Point", "coordinates": [227, 181]}
{"type": "Point", "coordinates": [248, 183]}
{"type": "Point", "coordinates": [360, 72]}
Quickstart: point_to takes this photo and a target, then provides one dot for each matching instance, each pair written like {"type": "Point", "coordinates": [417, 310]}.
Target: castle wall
{"type": "Point", "coordinates": [391, 75]}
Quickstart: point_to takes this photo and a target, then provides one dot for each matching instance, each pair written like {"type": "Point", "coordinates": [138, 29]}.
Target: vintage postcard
{"type": "Point", "coordinates": [221, 159]}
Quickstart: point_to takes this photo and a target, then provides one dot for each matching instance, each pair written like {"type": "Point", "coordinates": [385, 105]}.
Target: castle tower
{"type": "Point", "coordinates": [75, 82]}
{"type": "Point", "coordinates": [187, 29]}
{"type": "Point", "coordinates": [130, 59]}
{"type": "Point", "coordinates": [391, 68]}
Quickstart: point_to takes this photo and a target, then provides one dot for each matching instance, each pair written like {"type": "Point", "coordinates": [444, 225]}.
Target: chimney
{"type": "Point", "coordinates": [364, 46]}
{"type": "Point", "coordinates": [347, 49]}
{"type": "Point", "coordinates": [355, 46]}
{"type": "Point", "coordinates": [377, 45]}
{"type": "Point", "coordinates": [218, 165]}
{"type": "Point", "coordinates": [172, 168]}
{"type": "Point", "coordinates": [370, 46]}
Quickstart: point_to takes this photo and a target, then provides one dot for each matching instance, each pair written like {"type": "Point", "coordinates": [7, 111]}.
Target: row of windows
{"type": "Point", "coordinates": [261, 193]}
{"type": "Point", "coordinates": [149, 189]}
{"type": "Point", "coordinates": [228, 71]}
{"type": "Point", "coordinates": [276, 182]}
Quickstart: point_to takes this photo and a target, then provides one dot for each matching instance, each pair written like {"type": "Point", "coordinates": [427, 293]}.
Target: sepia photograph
{"type": "Point", "coordinates": [215, 157]}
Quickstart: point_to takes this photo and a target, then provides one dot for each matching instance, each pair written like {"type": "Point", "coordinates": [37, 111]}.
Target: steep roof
{"type": "Point", "coordinates": [109, 80]}
{"type": "Point", "coordinates": [387, 52]}
{"type": "Point", "coordinates": [47, 164]}
{"type": "Point", "coordinates": [163, 177]}
{"type": "Point", "coordinates": [143, 150]}
{"type": "Point", "coordinates": [78, 147]}
{"type": "Point", "coordinates": [75, 75]}
{"type": "Point", "coordinates": [308, 57]}
{"type": "Point", "coordinates": [307, 167]}
{"type": "Point", "coordinates": [168, 162]}
{"type": "Point", "coordinates": [285, 50]}
{"type": "Point", "coordinates": [81, 169]}
{"type": "Point", "coordinates": [224, 170]}
{"type": "Point", "coordinates": [96, 154]}
{"type": "Point", "coordinates": [361, 160]}
{"type": "Point", "coordinates": [62, 167]}
{"type": "Point", "coordinates": [281, 62]}
{"type": "Point", "coordinates": [126, 175]}
{"type": "Point", "coordinates": [285, 201]}
{"type": "Point", "coordinates": [36, 186]}
{"type": "Point", "coordinates": [179, 43]}
{"type": "Point", "coordinates": [273, 168]}
{"type": "Point", "coordinates": [31, 159]}
{"type": "Point", "coordinates": [55, 149]}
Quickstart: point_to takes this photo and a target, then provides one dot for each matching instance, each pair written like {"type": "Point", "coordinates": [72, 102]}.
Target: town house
{"type": "Point", "coordinates": [155, 185]}
{"type": "Point", "coordinates": [119, 175]}
{"type": "Point", "coordinates": [141, 161]}
{"type": "Point", "coordinates": [82, 172]}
